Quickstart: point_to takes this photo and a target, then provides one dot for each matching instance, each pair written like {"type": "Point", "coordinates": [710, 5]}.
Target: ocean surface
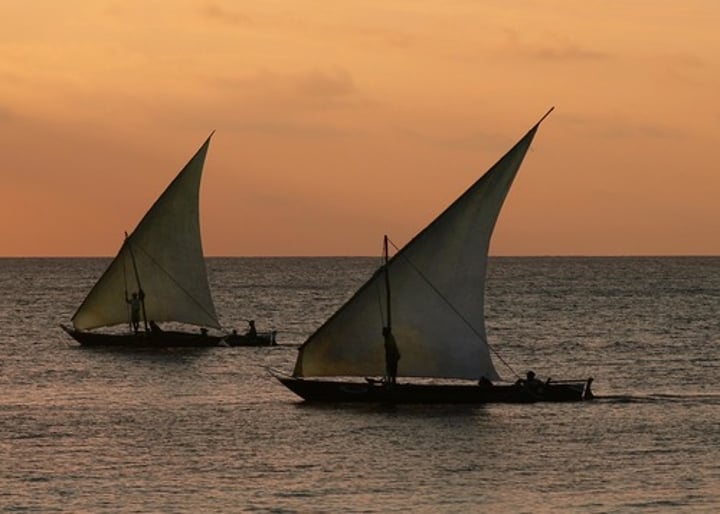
{"type": "Point", "coordinates": [184, 430]}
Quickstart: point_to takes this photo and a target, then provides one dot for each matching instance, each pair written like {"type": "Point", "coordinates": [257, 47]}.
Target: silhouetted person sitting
{"type": "Point", "coordinates": [531, 382]}
{"type": "Point", "coordinates": [154, 328]}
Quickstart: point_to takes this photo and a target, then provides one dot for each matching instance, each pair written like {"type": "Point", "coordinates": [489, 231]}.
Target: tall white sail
{"type": "Point", "coordinates": [166, 248]}
{"type": "Point", "coordinates": [437, 284]}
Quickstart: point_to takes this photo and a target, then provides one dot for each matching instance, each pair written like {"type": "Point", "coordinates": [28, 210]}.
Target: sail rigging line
{"type": "Point", "coordinates": [379, 269]}
{"type": "Point", "coordinates": [187, 293]}
{"type": "Point", "coordinates": [387, 283]}
{"type": "Point", "coordinates": [387, 330]}
{"type": "Point", "coordinates": [141, 294]}
{"type": "Point", "coordinates": [379, 300]}
{"type": "Point", "coordinates": [453, 308]}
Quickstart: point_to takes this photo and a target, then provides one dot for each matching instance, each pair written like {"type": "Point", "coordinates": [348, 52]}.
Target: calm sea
{"type": "Point", "coordinates": [210, 431]}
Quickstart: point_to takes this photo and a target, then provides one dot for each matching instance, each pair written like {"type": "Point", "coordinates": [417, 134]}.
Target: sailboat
{"type": "Point", "coordinates": [159, 275]}
{"type": "Point", "coordinates": [422, 313]}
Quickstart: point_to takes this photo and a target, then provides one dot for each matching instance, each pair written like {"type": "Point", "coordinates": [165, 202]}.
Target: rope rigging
{"type": "Point", "coordinates": [172, 279]}
{"type": "Point", "coordinates": [452, 307]}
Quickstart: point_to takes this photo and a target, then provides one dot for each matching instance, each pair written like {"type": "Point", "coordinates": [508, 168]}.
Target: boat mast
{"type": "Point", "coordinates": [125, 284]}
{"type": "Point", "coordinates": [387, 284]}
{"type": "Point", "coordinates": [141, 294]}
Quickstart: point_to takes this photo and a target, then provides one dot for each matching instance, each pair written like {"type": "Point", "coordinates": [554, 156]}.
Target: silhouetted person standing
{"type": "Point", "coordinates": [392, 356]}
{"type": "Point", "coordinates": [135, 303]}
{"type": "Point", "coordinates": [252, 331]}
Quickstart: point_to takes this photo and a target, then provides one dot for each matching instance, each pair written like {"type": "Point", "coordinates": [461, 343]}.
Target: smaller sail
{"type": "Point", "coordinates": [163, 256]}
{"type": "Point", "coordinates": [438, 290]}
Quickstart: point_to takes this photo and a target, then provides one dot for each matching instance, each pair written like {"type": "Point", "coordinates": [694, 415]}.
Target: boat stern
{"type": "Point", "coordinates": [587, 390]}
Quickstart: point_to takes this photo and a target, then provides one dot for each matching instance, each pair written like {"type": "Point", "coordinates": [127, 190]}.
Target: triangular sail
{"type": "Point", "coordinates": [438, 286]}
{"type": "Point", "coordinates": [167, 250]}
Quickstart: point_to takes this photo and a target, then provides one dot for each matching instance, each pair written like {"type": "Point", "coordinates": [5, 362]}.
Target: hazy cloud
{"type": "Point", "coordinates": [6, 114]}
{"type": "Point", "coordinates": [288, 128]}
{"type": "Point", "coordinates": [221, 14]}
{"type": "Point", "coordinates": [685, 69]}
{"type": "Point", "coordinates": [378, 36]}
{"type": "Point", "coordinates": [311, 89]}
{"type": "Point", "coordinates": [553, 48]}
{"type": "Point", "coordinates": [472, 140]}
{"type": "Point", "coordinates": [618, 128]}
{"type": "Point", "coordinates": [333, 84]}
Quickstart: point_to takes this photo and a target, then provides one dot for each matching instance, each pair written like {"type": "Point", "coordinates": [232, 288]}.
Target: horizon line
{"type": "Point", "coordinates": [511, 256]}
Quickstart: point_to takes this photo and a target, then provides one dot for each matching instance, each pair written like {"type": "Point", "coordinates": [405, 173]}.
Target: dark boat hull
{"type": "Point", "coordinates": [261, 339]}
{"type": "Point", "coordinates": [377, 392]}
{"type": "Point", "coordinates": [164, 339]}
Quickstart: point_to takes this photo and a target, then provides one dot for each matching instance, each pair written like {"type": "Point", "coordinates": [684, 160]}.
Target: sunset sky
{"type": "Point", "coordinates": [340, 121]}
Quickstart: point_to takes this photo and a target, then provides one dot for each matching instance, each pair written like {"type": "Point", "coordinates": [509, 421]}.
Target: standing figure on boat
{"type": "Point", "coordinates": [251, 331]}
{"type": "Point", "coordinates": [135, 309]}
{"type": "Point", "coordinates": [392, 355]}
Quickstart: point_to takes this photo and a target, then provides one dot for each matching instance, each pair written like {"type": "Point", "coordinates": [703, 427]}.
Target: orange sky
{"type": "Point", "coordinates": [338, 122]}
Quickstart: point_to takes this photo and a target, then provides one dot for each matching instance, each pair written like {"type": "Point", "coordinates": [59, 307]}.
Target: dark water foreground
{"type": "Point", "coordinates": [210, 430]}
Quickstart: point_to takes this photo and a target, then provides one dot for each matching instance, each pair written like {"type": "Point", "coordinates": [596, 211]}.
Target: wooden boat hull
{"type": "Point", "coordinates": [378, 392]}
{"type": "Point", "coordinates": [164, 339]}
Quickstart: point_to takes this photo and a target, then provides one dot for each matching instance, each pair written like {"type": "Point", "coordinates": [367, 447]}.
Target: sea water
{"type": "Point", "coordinates": [187, 430]}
